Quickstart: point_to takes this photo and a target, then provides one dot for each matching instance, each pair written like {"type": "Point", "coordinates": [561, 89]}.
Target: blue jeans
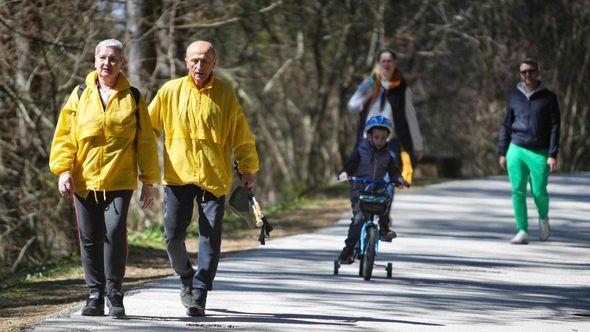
{"type": "Point", "coordinates": [178, 211]}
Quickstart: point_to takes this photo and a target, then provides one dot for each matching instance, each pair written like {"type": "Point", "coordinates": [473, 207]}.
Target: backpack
{"type": "Point", "coordinates": [134, 91]}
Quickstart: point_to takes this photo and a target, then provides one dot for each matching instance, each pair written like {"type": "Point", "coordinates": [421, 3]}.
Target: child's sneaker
{"type": "Point", "coordinates": [386, 234]}
{"type": "Point", "coordinates": [520, 238]}
{"type": "Point", "coordinates": [346, 256]}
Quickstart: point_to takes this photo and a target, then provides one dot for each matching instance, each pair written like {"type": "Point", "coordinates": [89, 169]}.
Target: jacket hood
{"type": "Point", "coordinates": [522, 88]}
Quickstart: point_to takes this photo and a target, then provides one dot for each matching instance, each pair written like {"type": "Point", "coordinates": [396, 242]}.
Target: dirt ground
{"type": "Point", "coordinates": [36, 301]}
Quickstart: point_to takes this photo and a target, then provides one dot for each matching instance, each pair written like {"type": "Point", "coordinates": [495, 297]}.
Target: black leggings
{"type": "Point", "coordinates": [102, 228]}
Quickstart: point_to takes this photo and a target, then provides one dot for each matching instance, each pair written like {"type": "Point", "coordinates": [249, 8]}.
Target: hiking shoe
{"type": "Point", "coordinates": [387, 235]}
{"type": "Point", "coordinates": [544, 229]}
{"type": "Point", "coordinates": [94, 305]}
{"type": "Point", "coordinates": [346, 256]}
{"type": "Point", "coordinates": [115, 304]}
{"type": "Point", "coordinates": [186, 295]}
{"type": "Point", "coordinates": [197, 306]}
{"type": "Point", "coordinates": [520, 238]}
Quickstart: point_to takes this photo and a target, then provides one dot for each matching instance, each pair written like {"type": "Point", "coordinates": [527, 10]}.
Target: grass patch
{"type": "Point", "coordinates": [67, 267]}
{"type": "Point", "coordinates": [151, 237]}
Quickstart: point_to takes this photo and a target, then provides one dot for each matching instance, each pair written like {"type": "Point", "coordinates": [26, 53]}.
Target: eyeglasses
{"type": "Point", "coordinates": [528, 72]}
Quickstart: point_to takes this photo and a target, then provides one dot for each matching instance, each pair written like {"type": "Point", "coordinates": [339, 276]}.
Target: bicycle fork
{"type": "Point", "coordinates": [363, 241]}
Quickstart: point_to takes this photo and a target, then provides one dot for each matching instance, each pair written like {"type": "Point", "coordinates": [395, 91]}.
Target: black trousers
{"type": "Point", "coordinates": [358, 220]}
{"type": "Point", "coordinates": [102, 228]}
{"type": "Point", "coordinates": [178, 211]}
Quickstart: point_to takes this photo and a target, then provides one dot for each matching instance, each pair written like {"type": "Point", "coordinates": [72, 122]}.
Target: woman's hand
{"type": "Point", "coordinates": [66, 184]}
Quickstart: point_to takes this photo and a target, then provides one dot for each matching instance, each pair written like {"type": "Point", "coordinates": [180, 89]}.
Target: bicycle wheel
{"type": "Point", "coordinates": [369, 257]}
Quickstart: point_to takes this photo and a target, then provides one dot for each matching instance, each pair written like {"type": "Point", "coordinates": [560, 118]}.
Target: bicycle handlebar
{"type": "Point", "coordinates": [398, 183]}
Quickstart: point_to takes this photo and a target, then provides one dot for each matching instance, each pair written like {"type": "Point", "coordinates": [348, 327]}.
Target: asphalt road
{"type": "Point", "coordinates": [454, 270]}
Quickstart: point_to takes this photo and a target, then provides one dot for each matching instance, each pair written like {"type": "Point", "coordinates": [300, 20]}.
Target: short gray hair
{"type": "Point", "coordinates": [110, 43]}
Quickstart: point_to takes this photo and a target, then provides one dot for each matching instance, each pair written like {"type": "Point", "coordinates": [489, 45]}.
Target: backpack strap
{"type": "Point", "coordinates": [136, 94]}
{"type": "Point", "coordinates": [81, 89]}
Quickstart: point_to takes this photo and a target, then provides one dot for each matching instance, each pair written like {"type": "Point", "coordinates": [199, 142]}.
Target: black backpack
{"type": "Point", "coordinates": [134, 91]}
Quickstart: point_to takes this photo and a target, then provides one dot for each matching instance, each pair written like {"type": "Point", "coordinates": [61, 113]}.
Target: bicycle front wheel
{"type": "Point", "coordinates": [369, 257]}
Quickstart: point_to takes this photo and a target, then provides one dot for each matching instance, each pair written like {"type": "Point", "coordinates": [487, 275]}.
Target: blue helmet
{"type": "Point", "coordinates": [379, 121]}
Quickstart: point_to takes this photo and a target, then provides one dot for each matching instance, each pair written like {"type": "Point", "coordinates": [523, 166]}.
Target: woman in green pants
{"type": "Point", "coordinates": [529, 140]}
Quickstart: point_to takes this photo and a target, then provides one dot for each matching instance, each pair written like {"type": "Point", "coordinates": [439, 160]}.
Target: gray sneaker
{"type": "Point", "coordinates": [520, 238]}
{"type": "Point", "coordinates": [544, 229]}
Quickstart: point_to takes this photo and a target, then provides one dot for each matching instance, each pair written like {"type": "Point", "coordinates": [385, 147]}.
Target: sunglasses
{"type": "Point", "coordinates": [528, 72]}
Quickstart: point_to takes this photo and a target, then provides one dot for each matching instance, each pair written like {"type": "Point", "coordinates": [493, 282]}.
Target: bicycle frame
{"type": "Point", "coordinates": [370, 220]}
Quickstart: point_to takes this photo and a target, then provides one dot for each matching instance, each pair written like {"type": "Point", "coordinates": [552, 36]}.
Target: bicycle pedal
{"type": "Point", "coordinates": [381, 238]}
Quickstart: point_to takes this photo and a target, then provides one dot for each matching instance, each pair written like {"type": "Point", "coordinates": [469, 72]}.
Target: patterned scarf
{"type": "Point", "coordinates": [396, 80]}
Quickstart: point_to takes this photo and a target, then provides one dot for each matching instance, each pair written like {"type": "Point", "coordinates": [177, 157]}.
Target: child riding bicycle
{"type": "Point", "coordinates": [371, 159]}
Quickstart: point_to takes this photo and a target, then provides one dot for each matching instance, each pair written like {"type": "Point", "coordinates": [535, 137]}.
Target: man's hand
{"type": "Point", "coordinates": [419, 154]}
{"type": "Point", "coordinates": [502, 162]}
{"type": "Point", "coordinates": [247, 181]}
{"type": "Point", "coordinates": [66, 184]}
{"type": "Point", "coordinates": [552, 162]}
{"type": "Point", "coordinates": [148, 194]}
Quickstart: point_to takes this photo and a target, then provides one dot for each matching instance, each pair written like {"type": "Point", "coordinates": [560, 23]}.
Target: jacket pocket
{"type": "Point", "coordinates": [127, 131]}
{"type": "Point", "coordinates": [89, 132]}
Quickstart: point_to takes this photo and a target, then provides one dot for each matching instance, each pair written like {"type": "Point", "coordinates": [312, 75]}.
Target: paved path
{"type": "Point", "coordinates": [453, 271]}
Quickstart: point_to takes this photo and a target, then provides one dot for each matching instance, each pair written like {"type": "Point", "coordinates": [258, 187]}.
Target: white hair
{"type": "Point", "coordinates": [110, 43]}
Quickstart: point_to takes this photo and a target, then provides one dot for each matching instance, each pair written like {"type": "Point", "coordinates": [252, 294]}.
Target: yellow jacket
{"type": "Point", "coordinates": [204, 131]}
{"type": "Point", "coordinates": [104, 148]}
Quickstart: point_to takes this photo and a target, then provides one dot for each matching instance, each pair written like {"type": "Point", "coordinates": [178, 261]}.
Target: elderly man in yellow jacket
{"type": "Point", "coordinates": [103, 136]}
{"type": "Point", "coordinates": [204, 129]}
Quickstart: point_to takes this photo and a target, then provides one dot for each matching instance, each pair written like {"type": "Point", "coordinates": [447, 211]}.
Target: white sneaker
{"type": "Point", "coordinates": [544, 229]}
{"type": "Point", "coordinates": [520, 238]}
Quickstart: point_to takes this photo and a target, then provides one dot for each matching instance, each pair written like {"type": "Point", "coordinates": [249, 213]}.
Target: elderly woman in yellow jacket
{"type": "Point", "coordinates": [204, 129]}
{"type": "Point", "coordinates": [103, 136]}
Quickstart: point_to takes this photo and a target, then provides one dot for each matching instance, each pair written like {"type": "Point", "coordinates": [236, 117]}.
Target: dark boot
{"type": "Point", "coordinates": [115, 304]}
{"type": "Point", "coordinates": [94, 305]}
{"type": "Point", "coordinates": [197, 307]}
{"type": "Point", "coordinates": [186, 295]}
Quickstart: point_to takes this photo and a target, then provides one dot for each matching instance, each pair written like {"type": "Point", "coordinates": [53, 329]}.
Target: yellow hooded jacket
{"type": "Point", "coordinates": [103, 148]}
{"type": "Point", "coordinates": [204, 131]}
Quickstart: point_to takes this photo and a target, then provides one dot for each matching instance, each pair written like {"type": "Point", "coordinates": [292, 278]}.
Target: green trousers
{"type": "Point", "coordinates": [523, 164]}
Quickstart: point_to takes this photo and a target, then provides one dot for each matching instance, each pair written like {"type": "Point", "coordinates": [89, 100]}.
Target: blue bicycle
{"type": "Point", "coordinates": [374, 199]}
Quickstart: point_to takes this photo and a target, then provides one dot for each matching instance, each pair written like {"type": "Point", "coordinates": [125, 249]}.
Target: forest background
{"type": "Point", "coordinates": [294, 65]}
